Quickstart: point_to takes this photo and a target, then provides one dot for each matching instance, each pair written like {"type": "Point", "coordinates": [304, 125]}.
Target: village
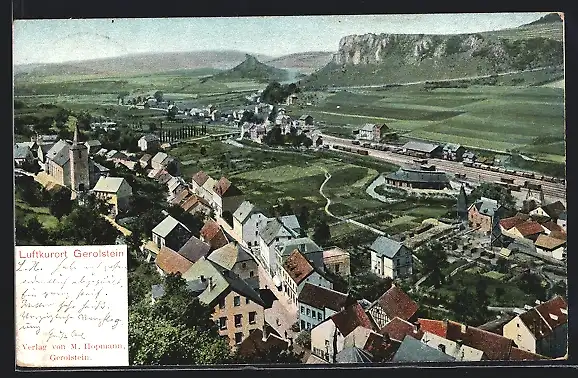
{"type": "Point", "coordinates": [272, 287]}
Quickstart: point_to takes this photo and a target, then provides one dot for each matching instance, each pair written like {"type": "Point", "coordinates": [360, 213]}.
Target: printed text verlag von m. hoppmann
{"type": "Point", "coordinates": [69, 296]}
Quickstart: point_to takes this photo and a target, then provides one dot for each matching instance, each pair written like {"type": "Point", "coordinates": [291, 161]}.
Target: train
{"type": "Point", "coordinates": [509, 186]}
{"type": "Point", "coordinates": [512, 172]}
{"type": "Point", "coordinates": [352, 150]}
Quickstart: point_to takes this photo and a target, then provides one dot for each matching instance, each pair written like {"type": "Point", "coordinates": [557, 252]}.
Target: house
{"type": "Point", "coordinates": [394, 303]}
{"type": "Point", "coordinates": [227, 198]}
{"type": "Point", "coordinates": [42, 152]}
{"type": "Point", "coordinates": [168, 261]}
{"type": "Point", "coordinates": [213, 234]}
{"type": "Point", "coordinates": [22, 155]}
{"type": "Point", "coordinates": [194, 204]}
{"type": "Point", "coordinates": [418, 179]}
{"type": "Point", "coordinates": [481, 213]}
{"type": "Point", "coordinates": [114, 190]}
{"type": "Point", "coordinates": [181, 197]}
{"type": "Point", "coordinates": [163, 161]}
{"type": "Point", "coordinates": [245, 220]}
{"type": "Point", "coordinates": [202, 185]}
{"type": "Point", "coordinates": [328, 337]}
{"type": "Point", "coordinates": [337, 261]}
{"type": "Point", "coordinates": [390, 258]}
{"type": "Point", "coordinates": [507, 224]}
{"type": "Point", "coordinates": [452, 151]}
{"type": "Point", "coordinates": [551, 227]}
{"type": "Point", "coordinates": [317, 303]}
{"type": "Point", "coordinates": [456, 350]}
{"type": "Point", "coordinates": [93, 146]}
{"type": "Point", "coordinates": [397, 329]}
{"type": "Point", "coordinates": [551, 210]}
{"type": "Point", "coordinates": [235, 258]}
{"type": "Point", "coordinates": [542, 329]}
{"type": "Point", "coordinates": [312, 252]}
{"type": "Point", "coordinates": [381, 348]}
{"type": "Point", "coordinates": [468, 157]}
{"type": "Point", "coordinates": [262, 343]}
{"type": "Point", "coordinates": [194, 249]}
{"type": "Point", "coordinates": [175, 186]}
{"type": "Point", "coordinates": [171, 233]}
{"type": "Point", "coordinates": [238, 309]}
{"type": "Point", "coordinates": [96, 171]}
{"type": "Point", "coordinates": [528, 229]}
{"type": "Point", "coordinates": [412, 350]}
{"type": "Point", "coordinates": [372, 132]}
{"type": "Point", "coordinates": [102, 152]}
{"type": "Point", "coordinates": [422, 149]}
{"type": "Point", "coordinates": [114, 154]}
{"type": "Point", "coordinates": [197, 182]}
{"type": "Point", "coordinates": [296, 271]}
{"type": "Point", "coordinates": [271, 233]}
{"type": "Point", "coordinates": [306, 119]}
{"type": "Point", "coordinates": [494, 346]}
{"type": "Point", "coordinates": [353, 355]}
{"type": "Point", "coordinates": [562, 220]}
{"type": "Point", "coordinates": [145, 161]}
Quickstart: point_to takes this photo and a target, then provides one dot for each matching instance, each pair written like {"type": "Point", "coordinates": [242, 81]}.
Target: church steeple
{"type": "Point", "coordinates": [75, 140]}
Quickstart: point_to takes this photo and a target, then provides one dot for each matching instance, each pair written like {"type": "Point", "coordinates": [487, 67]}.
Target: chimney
{"type": "Point", "coordinates": [210, 283]}
{"type": "Point", "coordinates": [464, 328]}
{"type": "Point", "coordinates": [265, 333]}
{"type": "Point", "coordinates": [442, 348]}
{"type": "Point", "coordinates": [202, 278]}
{"type": "Point", "coordinates": [416, 327]}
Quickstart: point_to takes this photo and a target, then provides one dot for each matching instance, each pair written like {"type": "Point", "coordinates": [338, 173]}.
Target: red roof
{"type": "Point", "coordinates": [298, 267]}
{"type": "Point", "coordinates": [529, 228]}
{"type": "Point", "coordinates": [254, 344]}
{"type": "Point", "coordinates": [508, 223]}
{"type": "Point", "coordinates": [172, 262]}
{"type": "Point", "coordinates": [350, 318]}
{"type": "Point", "coordinates": [494, 346]}
{"type": "Point", "coordinates": [396, 303]}
{"type": "Point", "coordinates": [398, 329]}
{"type": "Point", "coordinates": [562, 235]}
{"type": "Point", "coordinates": [213, 234]}
{"type": "Point", "coordinates": [320, 297]}
{"type": "Point", "coordinates": [554, 307]}
{"type": "Point", "coordinates": [224, 188]}
{"type": "Point", "coordinates": [181, 197]}
{"type": "Point", "coordinates": [522, 355]}
{"type": "Point", "coordinates": [553, 226]}
{"type": "Point", "coordinates": [200, 178]}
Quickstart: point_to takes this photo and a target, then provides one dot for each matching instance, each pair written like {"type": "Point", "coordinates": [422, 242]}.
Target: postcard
{"type": "Point", "coordinates": [377, 189]}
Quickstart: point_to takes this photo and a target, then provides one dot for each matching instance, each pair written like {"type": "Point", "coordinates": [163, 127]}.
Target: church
{"type": "Point", "coordinates": [68, 164]}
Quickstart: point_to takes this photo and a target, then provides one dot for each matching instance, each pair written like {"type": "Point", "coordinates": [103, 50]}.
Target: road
{"type": "Point", "coordinates": [552, 191]}
{"type": "Point", "coordinates": [443, 80]}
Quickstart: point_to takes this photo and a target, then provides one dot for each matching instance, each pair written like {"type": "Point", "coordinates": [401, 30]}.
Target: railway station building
{"type": "Point", "coordinates": [421, 149]}
{"type": "Point", "coordinates": [418, 179]}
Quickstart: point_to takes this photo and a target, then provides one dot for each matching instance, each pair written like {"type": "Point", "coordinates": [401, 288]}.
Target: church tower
{"type": "Point", "coordinates": [79, 174]}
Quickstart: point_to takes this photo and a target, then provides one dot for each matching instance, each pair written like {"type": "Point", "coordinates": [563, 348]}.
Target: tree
{"type": "Point", "coordinates": [171, 113]}
{"type": "Point", "coordinates": [499, 293]}
{"type": "Point", "coordinates": [158, 96]}
{"type": "Point", "coordinates": [203, 150]}
{"type": "Point", "coordinates": [482, 292]}
{"type": "Point", "coordinates": [531, 283]}
{"type": "Point", "coordinates": [60, 202]}
{"type": "Point", "coordinates": [35, 230]}
{"type": "Point", "coordinates": [85, 226]}
{"type": "Point", "coordinates": [274, 137]}
{"type": "Point", "coordinates": [304, 339]}
{"type": "Point", "coordinates": [434, 259]}
{"type": "Point", "coordinates": [303, 218]}
{"type": "Point", "coordinates": [307, 142]}
{"type": "Point", "coordinates": [319, 142]}
{"type": "Point", "coordinates": [496, 192]}
{"type": "Point", "coordinates": [321, 233]}
{"type": "Point", "coordinates": [273, 114]}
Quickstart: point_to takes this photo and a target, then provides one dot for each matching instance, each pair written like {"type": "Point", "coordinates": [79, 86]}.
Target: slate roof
{"type": "Point", "coordinates": [562, 215]}
{"type": "Point", "coordinates": [200, 178]}
{"type": "Point", "coordinates": [418, 175]}
{"type": "Point", "coordinates": [369, 127]}
{"type": "Point", "coordinates": [99, 167]}
{"type": "Point", "coordinates": [398, 329]}
{"type": "Point", "coordinates": [412, 350]}
{"type": "Point", "coordinates": [213, 234]}
{"type": "Point", "coordinates": [494, 346]}
{"type": "Point", "coordinates": [554, 209]}
{"type": "Point", "coordinates": [486, 206]}
{"type": "Point", "coordinates": [145, 158]}
{"type": "Point", "coordinates": [229, 255]}
{"type": "Point", "coordinates": [243, 211]}
{"type": "Point", "coordinates": [254, 344]}
{"type": "Point", "coordinates": [304, 245]}
{"type": "Point", "coordinates": [224, 188]}
{"type": "Point", "coordinates": [271, 229]}
{"type": "Point", "coordinates": [194, 249]}
{"type": "Point", "coordinates": [166, 226]}
{"type": "Point", "coordinates": [290, 221]}
{"type": "Point", "coordinates": [396, 303]}
{"type": "Point", "coordinates": [350, 318]}
{"type": "Point", "coordinates": [334, 252]}
{"type": "Point", "coordinates": [159, 158]}
{"type": "Point", "coordinates": [320, 297]}
{"type": "Point", "coordinates": [150, 137]}
{"type": "Point", "coordinates": [59, 153]}
{"type": "Point", "coordinates": [109, 184]}
{"type": "Point", "coordinates": [549, 243]}
{"type": "Point", "coordinates": [304, 117]}
{"type": "Point", "coordinates": [21, 152]}
{"type": "Point", "coordinates": [93, 143]}
{"type": "Point", "coordinates": [529, 228]}
{"type": "Point", "coordinates": [172, 262]}
{"type": "Point", "coordinates": [222, 281]}
{"type": "Point", "coordinates": [420, 146]}
{"type": "Point", "coordinates": [353, 355]}
{"type": "Point", "coordinates": [451, 147]}
{"type": "Point", "coordinates": [298, 267]}
{"type": "Point", "coordinates": [385, 246]}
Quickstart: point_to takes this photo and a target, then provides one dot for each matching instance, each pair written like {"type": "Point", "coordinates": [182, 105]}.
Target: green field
{"type": "Point", "coordinates": [42, 214]}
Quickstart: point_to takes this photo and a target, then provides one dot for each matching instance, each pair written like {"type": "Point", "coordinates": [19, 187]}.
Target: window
{"type": "Point", "coordinates": [238, 337]}
{"type": "Point", "coordinates": [276, 239]}
{"type": "Point", "coordinates": [326, 342]}
{"type": "Point", "coordinates": [302, 324]}
{"type": "Point", "coordinates": [247, 300]}
{"type": "Point", "coordinates": [336, 268]}
{"type": "Point", "coordinates": [308, 325]}
{"type": "Point", "coordinates": [237, 301]}
{"type": "Point", "coordinates": [243, 265]}
{"type": "Point", "coordinates": [251, 274]}
{"type": "Point", "coordinates": [319, 316]}
{"type": "Point", "coordinates": [238, 320]}
{"type": "Point", "coordinates": [308, 312]}
{"type": "Point", "coordinates": [252, 317]}
{"type": "Point", "coordinates": [222, 303]}
{"type": "Point", "coordinates": [302, 309]}
{"type": "Point", "coordinates": [223, 323]}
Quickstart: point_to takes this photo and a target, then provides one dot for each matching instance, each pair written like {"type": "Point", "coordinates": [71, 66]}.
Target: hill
{"type": "Point", "coordinates": [547, 19]}
{"type": "Point", "coordinates": [136, 64]}
{"type": "Point", "coordinates": [306, 62]}
{"type": "Point", "coordinates": [371, 59]}
{"type": "Point", "coordinates": [252, 68]}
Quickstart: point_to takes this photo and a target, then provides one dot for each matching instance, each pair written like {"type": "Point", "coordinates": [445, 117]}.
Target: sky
{"type": "Point", "coordinates": [56, 41]}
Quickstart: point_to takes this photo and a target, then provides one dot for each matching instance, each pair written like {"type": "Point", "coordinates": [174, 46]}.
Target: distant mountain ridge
{"type": "Point", "coordinates": [549, 18]}
{"type": "Point", "coordinates": [371, 59]}
{"type": "Point", "coordinates": [252, 68]}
